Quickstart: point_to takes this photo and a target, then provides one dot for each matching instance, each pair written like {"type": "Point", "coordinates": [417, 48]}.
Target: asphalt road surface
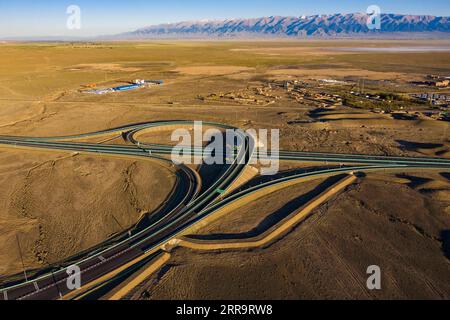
{"type": "Point", "coordinates": [186, 206]}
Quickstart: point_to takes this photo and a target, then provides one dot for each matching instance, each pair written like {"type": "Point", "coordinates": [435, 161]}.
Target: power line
{"type": "Point", "coordinates": [21, 258]}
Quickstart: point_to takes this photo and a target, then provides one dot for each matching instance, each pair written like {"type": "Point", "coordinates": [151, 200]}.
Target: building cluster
{"type": "Point", "coordinates": [437, 115]}
{"type": "Point", "coordinates": [301, 91]}
{"type": "Point", "coordinates": [254, 95]}
{"type": "Point", "coordinates": [135, 84]}
{"type": "Point", "coordinates": [241, 97]}
{"type": "Point", "coordinates": [433, 98]}
{"type": "Point", "coordinates": [324, 99]}
{"type": "Point", "coordinates": [139, 81]}
{"type": "Point", "coordinates": [434, 81]}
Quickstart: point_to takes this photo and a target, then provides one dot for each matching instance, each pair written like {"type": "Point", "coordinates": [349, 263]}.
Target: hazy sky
{"type": "Point", "coordinates": [49, 18]}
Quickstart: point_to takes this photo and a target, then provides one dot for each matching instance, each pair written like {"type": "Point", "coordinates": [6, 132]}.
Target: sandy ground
{"type": "Point", "coordinates": [59, 204]}
{"type": "Point", "coordinates": [333, 73]}
{"type": "Point", "coordinates": [327, 256]}
{"type": "Point", "coordinates": [177, 135]}
{"type": "Point", "coordinates": [212, 70]}
{"type": "Point", "coordinates": [103, 67]}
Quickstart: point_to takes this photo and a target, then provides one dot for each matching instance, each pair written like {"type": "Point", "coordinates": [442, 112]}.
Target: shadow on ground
{"type": "Point", "coordinates": [415, 181]}
{"type": "Point", "coordinates": [414, 146]}
{"type": "Point", "coordinates": [287, 173]}
{"type": "Point", "coordinates": [276, 217]}
{"type": "Point", "coordinates": [446, 175]}
{"type": "Point", "coordinates": [445, 236]}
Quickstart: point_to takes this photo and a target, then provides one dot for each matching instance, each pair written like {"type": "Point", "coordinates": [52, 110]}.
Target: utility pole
{"type": "Point", "coordinates": [120, 226]}
{"type": "Point", "coordinates": [21, 258]}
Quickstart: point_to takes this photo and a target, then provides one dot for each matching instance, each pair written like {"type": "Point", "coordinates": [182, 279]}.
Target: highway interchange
{"type": "Point", "coordinates": [187, 205]}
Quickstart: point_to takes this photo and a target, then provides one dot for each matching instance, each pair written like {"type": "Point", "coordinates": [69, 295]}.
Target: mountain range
{"type": "Point", "coordinates": [336, 25]}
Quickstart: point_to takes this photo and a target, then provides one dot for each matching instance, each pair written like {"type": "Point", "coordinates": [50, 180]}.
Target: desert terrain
{"type": "Point", "coordinates": [58, 204]}
{"type": "Point", "coordinates": [326, 256]}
